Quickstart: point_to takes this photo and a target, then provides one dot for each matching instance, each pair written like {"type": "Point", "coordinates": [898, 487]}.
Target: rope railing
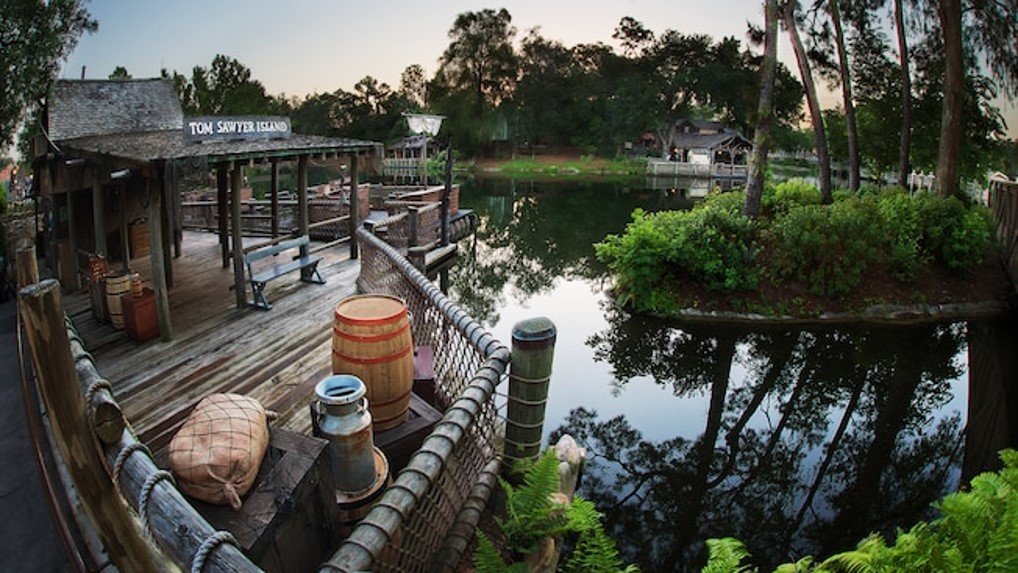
{"type": "Point", "coordinates": [408, 529]}
{"type": "Point", "coordinates": [114, 461]}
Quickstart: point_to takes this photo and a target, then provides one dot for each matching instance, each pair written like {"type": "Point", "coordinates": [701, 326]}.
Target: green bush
{"type": "Point", "coordinates": [712, 244]}
{"type": "Point", "coordinates": [639, 257]}
{"type": "Point", "coordinates": [956, 234]}
{"type": "Point", "coordinates": [902, 225]}
{"type": "Point", "coordinates": [783, 196]}
{"type": "Point", "coordinates": [828, 247]}
{"type": "Point", "coordinates": [977, 531]}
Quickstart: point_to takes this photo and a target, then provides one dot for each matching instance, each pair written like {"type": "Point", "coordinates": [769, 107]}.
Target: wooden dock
{"type": "Point", "coordinates": [276, 356]}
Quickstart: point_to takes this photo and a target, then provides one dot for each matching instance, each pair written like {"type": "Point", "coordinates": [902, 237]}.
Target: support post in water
{"type": "Point", "coordinates": [533, 349]}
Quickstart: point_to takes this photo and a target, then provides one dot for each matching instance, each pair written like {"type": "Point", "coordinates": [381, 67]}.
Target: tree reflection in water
{"type": "Point", "coordinates": [830, 434]}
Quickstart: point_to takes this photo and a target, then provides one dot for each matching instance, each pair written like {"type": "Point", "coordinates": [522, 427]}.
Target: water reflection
{"type": "Point", "coordinates": [826, 434]}
{"type": "Point", "coordinates": [532, 234]}
{"type": "Point", "coordinates": [795, 440]}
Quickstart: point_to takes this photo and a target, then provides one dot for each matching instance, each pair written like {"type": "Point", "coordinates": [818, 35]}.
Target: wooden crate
{"type": "Point", "coordinates": [137, 235]}
{"type": "Point", "coordinates": [140, 320]}
{"type": "Point", "coordinates": [288, 523]}
{"type": "Point", "coordinates": [399, 443]}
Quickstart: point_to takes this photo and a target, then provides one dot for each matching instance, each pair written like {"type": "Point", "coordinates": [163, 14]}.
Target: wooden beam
{"type": "Point", "coordinates": [164, 186]}
{"type": "Point", "coordinates": [42, 311]}
{"type": "Point", "coordinates": [355, 216]}
{"type": "Point", "coordinates": [222, 212]}
{"type": "Point", "coordinates": [72, 243]}
{"type": "Point", "coordinates": [274, 198]}
{"type": "Point", "coordinates": [236, 177]}
{"type": "Point", "coordinates": [302, 200]}
{"type": "Point", "coordinates": [99, 213]}
{"type": "Point", "coordinates": [122, 210]}
{"type": "Point", "coordinates": [158, 257]}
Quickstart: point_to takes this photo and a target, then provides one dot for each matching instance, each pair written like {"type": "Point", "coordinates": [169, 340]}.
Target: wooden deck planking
{"type": "Point", "coordinates": [276, 356]}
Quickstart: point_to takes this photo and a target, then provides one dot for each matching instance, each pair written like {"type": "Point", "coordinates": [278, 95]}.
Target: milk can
{"type": "Point", "coordinates": [340, 414]}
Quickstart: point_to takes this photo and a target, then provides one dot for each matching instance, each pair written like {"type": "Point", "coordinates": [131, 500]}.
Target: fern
{"type": "Point", "coordinates": [488, 560]}
{"type": "Point", "coordinates": [594, 551]}
{"type": "Point", "coordinates": [533, 514]}
{"type": "Point", "coordinates": [978, 531]}
{"type": "Point", "coordinates": [725, 555]}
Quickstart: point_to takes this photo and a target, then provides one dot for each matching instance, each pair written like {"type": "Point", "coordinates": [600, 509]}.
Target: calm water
{"type": "Point", "coordinates": [795, 440]}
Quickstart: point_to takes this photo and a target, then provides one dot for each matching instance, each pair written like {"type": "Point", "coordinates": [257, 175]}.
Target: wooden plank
{"type": "Point", "coordinates": [275, 357]}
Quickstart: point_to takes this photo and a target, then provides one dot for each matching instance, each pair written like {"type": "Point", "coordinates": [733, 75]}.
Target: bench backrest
{"type": "Point", "coordinates": [279, 247]}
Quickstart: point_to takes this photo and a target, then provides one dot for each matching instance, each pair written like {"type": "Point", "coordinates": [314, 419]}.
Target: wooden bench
{"type": "Point", "coordinates": [307, 264]}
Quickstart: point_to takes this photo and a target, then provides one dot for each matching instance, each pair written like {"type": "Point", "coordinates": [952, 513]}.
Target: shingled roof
{"type": "Point", "coordinates": [141, 121]}
{"type": "Point", "coordinates": [81, 108]}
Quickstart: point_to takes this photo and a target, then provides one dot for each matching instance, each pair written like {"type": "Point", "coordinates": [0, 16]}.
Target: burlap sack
{"type": "Point", "coordinates": [216, 454]}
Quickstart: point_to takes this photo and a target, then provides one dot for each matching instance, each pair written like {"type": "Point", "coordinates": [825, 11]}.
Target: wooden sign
{"type": "Point", "coordinates": [234, 128]}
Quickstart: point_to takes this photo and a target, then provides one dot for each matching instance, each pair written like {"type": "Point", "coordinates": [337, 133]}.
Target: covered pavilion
{"type": "Point", "coordinates": [113, 155]}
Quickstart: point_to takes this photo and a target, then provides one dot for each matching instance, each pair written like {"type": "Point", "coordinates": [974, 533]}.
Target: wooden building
{"type": "Point", "coordinates": [707, 142]}
{"type": "Point", "coordinates": [702, 149]}
{"type": "Point", "coordinates": [110, 165]}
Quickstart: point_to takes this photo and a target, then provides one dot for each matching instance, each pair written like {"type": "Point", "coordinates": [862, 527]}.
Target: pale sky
{"type": "Point", "coordinates": [302, 47]}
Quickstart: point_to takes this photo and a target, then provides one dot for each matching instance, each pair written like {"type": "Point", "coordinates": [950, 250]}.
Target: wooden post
{"type": "Point", "coordinates": [223, 213]}
{"type": "Point", "coordinates": [446, 196]}
{"type": "Point", "coordinates": [43, 315]}
{"type": "Point", "coordinates": [355, 207]}
{"type": "Point", "coordinates": [72, 243]}
{"type": "Point", "coordinates": [99, 214]}
{"type": "Point", "coordinates": [533, 349]}
{"type": "Point", "coordinates": [302, 200]}
{"type": "Point", "coordinates": [165, 217]}
{"type": "Point", "coordinates": [158, 257]}
{"type": "Point", "coordinates": [274, 197]}
{"type": "Point", "coordinates": [28, 266]}
{"type": "Point", "coordinates": [413, 221]}
{"type": "Point", "coordinates": [125, 247]}
{"type": "Point", "coordinates": [236, 176]}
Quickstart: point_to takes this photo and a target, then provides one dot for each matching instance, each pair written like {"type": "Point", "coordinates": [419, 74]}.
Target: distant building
{"type": "Point", "coordinates": [702, 148]}
{"type": "Point", "coordinates": [706, 142]}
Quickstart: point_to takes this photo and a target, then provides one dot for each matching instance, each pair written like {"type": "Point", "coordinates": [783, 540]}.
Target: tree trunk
{"type": "Point", "coordinates": [949, 155]}
{"type": "Point", "coordinates": [846, 91]}
{"type": "Point", "coordinates": [819, 133]}
{"type": "Point", "coordinates": [904, 163]}
{"type": "Point", "coordinates": [765, 112]}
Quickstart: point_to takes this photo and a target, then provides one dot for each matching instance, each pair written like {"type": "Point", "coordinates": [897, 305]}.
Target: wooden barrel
{"type": "Point", "coordinates": [371, 340]}
{"type": "Point", "coordinates": [116, 284]}
{"type": "Point", "coordinates": [354, 506]}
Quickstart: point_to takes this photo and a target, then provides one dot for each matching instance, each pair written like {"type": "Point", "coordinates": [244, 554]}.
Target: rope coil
{"type": "Point", "coordinates": [94, 389]}
{"type": "Point", "coordinates": [118, 464]}
{"type": "Point", "coordinates": [210, 544]}
{"type": "Point", "coordinates": [146, 492]}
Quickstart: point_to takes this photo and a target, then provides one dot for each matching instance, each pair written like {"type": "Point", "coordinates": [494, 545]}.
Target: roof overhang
{"type": "Point", "coordinates": [142, 148]}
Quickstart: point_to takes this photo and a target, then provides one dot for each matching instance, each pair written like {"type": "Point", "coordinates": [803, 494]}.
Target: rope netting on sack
{"type": "Point", "coordinates": [216, 454]}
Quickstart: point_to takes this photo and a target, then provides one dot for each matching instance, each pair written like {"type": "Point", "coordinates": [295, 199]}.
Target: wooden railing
{"type": "Point", "coordinates": [1003, 200]}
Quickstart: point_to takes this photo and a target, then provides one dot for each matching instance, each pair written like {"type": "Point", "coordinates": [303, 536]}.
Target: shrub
{"type": "Point", "coordinates": [955, 234]}
{"type": "Point", "coordinates": [712, 244]}
{"type": "Point", "coordinates": [828, 247]}
{"type": "Point", "coordinates": [902, 225]}
{"type": "Point", "coordinates": [787, 195]}
{"type": "Point", "coordinates": [638, 257]}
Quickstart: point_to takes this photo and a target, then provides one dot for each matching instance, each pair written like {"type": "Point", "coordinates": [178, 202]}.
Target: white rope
{"type": "Point", "coordinates": [118, 464]}
{"type": "Point", "coordinates": [146, 492]}
{"type": "Point", "coordinates": [211, 543]}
